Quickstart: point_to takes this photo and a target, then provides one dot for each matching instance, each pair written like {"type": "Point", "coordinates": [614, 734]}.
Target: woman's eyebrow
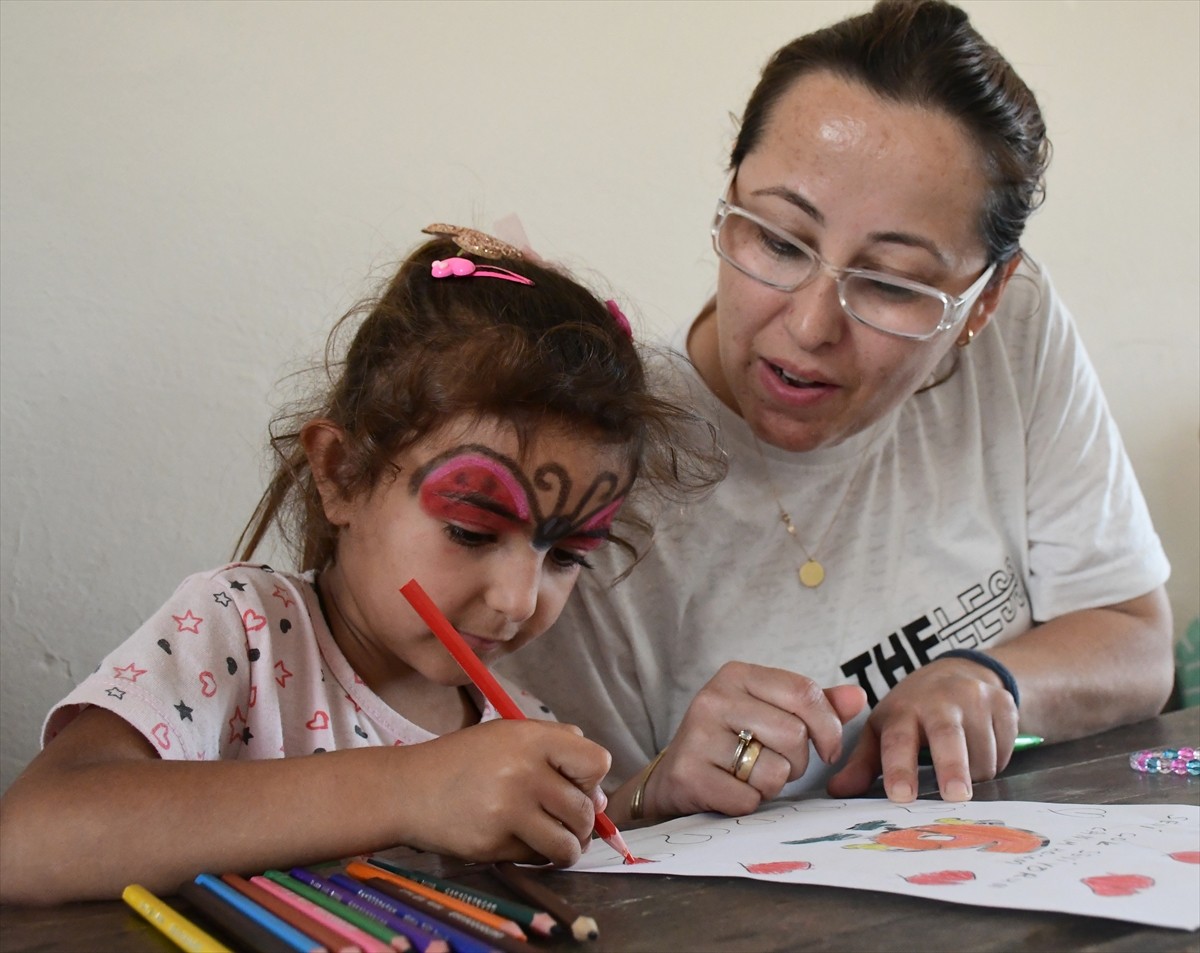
{"type": "Point", "coordinates": [913, 241]}
{"type": "Point", "coordinates": [796, 199]}
{"type": "Point", "coordinates": [890, 237]}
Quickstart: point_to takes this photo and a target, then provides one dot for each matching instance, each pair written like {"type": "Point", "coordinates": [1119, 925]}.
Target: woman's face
{"type": "Point", "coordinates": [870, 184]}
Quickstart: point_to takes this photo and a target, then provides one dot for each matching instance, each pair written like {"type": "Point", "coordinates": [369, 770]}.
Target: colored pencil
{"type": "Point", "coordinates": [423, 940]}
{"type": "Point", "coordinates": [1020, 743]}
{"type": "Point", "coordinates": [286, 934]}
{"type": "Point", "coordinates": [359, 938]}
{"type": "Point", "coordinates": [524, 883]}
{"type": "Point", "coordinates": [171, 923]}
{"type": "Point", "coordinates": [248, 934]}
{"type": "Point", "coordinates": [436, 923]}
{"type": "Point", "coordinates": [492, 689]}
{"type": "Point", "coordinates": [525, 916]}
{"type": "Point", "coordinates": [460, 921]}
{"type": "Point", "coordinates": [290, 914]}
{"type": "Point", "coordinates": [397, 941]}
{"type": "Point", "coordinates": [356, 868]}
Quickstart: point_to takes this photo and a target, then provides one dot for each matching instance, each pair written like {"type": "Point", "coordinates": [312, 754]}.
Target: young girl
{"type": "Point", "coordinates": [489, 420]}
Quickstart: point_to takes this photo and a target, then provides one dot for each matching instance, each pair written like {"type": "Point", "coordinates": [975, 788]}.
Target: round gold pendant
{"type": "Point", "coordinates": [812, 574]}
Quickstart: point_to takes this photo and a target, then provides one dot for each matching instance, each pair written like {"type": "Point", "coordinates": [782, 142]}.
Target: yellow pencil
{"type": "Point", "coordinates": [173, 924]}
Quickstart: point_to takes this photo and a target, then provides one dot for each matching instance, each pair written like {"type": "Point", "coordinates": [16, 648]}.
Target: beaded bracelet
{"type": "Point", "coordinates": [1166, 761]}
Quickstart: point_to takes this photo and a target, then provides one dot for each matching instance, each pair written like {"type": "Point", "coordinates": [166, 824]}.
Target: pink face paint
{"type": "Point", "coordinates": [475, 489]}
{"type": "Point", "coordinates": [477, 486]}
{"type": "Point", "coordinates": [595, 529]}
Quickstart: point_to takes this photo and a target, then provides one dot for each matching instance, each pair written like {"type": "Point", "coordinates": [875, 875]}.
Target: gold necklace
{"type": "Point", "coordinates": [812, 573]}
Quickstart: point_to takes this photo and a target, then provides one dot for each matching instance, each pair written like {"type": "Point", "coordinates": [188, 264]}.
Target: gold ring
{"type": "Point", "coordinates": [745, 761]}
{"type": "Point", "coordinates": [745, 736]}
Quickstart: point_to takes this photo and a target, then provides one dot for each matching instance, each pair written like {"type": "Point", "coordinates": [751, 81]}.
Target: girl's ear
{"type": "Point", "coordinates": [985, 307]}
{"type": "Point", "coordinates": [324, 444]}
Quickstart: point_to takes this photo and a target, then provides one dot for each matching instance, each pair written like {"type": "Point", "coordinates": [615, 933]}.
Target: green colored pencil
{"type": "Point", "coordinates": [1021, 743]}
{"type": "Point", "coordinates": [349, 914]}
{"type": "Point", "coordinates": [537, 920]}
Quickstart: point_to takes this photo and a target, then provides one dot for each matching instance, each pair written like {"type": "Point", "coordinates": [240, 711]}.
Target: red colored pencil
{"type": "Point", "coordinates": [289, 914]}
{"type": "Point", "coordinates": [492, 689]}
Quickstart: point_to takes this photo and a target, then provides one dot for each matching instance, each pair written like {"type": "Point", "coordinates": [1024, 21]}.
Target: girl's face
{"type": "Point", "coordinates": [496, 540]}
{"type": "Point", "coordinates": [867, 183]}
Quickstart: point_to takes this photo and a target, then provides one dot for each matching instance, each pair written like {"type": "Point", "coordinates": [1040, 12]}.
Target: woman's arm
{"type": "Point", "coordinates": [1081, 673]}
{"type": "Point", "coordinates": [97, 809]}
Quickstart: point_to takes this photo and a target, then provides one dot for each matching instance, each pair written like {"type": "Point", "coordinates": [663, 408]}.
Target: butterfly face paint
{"type": "Point", "coordinates": [474, 485]}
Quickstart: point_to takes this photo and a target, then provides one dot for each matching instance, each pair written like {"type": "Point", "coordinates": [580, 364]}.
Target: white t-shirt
{"type": "Point", "coordinates": [998, 499]}
{"type": "Point", "coordinates": [240, 664]}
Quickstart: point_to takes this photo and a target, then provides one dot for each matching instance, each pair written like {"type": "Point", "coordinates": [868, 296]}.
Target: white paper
{"type": "Point", "coordinates": [1122, 861]}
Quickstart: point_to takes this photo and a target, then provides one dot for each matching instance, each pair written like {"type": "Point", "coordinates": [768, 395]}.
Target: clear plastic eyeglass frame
{"type": "Point", "coordinates": [953, 307]}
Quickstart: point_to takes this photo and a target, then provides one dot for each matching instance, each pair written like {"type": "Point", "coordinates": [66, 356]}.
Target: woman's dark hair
{"type": "Point", "coordinates": [926, 53]}
{"type": "Point", "coordinates": [429, 350]}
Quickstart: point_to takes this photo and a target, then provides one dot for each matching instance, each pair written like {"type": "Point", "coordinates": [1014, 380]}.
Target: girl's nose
{"type": "Point", "coordinates": [813, 314]}
{"type": "Point", "coordinates": [514, 585]}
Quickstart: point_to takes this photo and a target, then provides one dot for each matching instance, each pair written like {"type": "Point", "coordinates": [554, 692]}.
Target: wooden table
{"type": "Point", "coordinates": [689, 914]}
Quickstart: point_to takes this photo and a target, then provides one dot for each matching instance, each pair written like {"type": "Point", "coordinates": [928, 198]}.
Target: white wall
{"type": "Point", "coordinates": [192, 192]}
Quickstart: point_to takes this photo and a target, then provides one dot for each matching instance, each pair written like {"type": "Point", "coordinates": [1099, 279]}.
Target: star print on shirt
{"type": "Point", "coordinates": [222, 598]}
{"type": "Point", "coordinates": [130, 673]}
{"type": "Point", "coordinates": [239, 586]}
{"type": "Point", "coordinates": [188, 622]}
{"type": "Point", "coordinates": [283, 675]}
{"type": "Point", "coordinates": [282, 594]}
{"type": "Point", "coordinates": [235, 732]}
{"type": "Point", "coordinates": [114, 692]}
{"type": "Point", "coordinates": [185, 713]}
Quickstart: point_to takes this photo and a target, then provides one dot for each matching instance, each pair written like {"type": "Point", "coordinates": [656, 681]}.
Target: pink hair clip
{"type": "Point", "coordinates": [619, 316]}
{"type": "Point", "coordinates": [464, 267]}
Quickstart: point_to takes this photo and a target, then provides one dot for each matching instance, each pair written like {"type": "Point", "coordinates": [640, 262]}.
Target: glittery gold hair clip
{"type": "Point", "coordinates": [475, 242]}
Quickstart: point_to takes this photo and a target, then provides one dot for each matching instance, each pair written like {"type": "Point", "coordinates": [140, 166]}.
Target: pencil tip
{"type": "Point", "coordinates": [584, 928]}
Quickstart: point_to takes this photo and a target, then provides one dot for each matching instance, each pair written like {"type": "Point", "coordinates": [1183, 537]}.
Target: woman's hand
{"type": "Point", "coordinates": [507, 790]}
{"type": "Point", "coordinates": [784, 712]}
{"type": "Point", "coordinates": [957, 708]}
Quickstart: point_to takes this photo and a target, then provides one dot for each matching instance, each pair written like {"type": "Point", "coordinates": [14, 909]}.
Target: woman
{"type": "Point", "coordinates": [921, 462]}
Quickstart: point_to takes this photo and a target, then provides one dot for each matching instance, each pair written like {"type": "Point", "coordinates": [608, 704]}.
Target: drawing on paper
{"type": "Point", "coordinates": [947, 833]}
{"type": "Point", "coordinates": [1128, 862]}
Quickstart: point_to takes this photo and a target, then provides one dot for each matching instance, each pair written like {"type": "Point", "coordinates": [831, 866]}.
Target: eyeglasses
{"type": "Point", "coordinates": [887, 303]}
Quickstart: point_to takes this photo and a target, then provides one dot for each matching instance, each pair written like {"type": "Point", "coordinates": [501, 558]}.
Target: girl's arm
{"type": "Point", "coordinates": [97, 809]}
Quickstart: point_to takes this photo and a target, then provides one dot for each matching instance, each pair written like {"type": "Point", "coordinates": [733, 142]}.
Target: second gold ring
{"type": "Point", "coordinates": [745, 737]}
{"type": "Point", "coordinates": [745, 761]}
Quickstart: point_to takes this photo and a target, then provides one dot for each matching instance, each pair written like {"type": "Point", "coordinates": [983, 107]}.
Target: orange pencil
{"type": "Point", "coordinates": [492, 690]}
{"type": "Point", "coordinates": [356, 868]}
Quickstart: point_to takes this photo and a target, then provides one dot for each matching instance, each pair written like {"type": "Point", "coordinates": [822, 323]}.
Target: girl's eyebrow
{"type": "Point", "coordinates": [482, 502]}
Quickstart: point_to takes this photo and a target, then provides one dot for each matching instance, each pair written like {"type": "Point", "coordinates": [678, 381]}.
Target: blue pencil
{"type": "Point", "coordinates": [284, 932]}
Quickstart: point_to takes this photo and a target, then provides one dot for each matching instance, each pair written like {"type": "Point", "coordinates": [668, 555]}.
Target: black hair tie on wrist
{"type": "Point", "coordinates": [982, 658]}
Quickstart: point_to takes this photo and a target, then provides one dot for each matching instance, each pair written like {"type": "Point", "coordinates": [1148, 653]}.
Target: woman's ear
{"type": "Point", "coordinates": [989, 300]}
{"type": "Point", "coordinates": [324, 444]}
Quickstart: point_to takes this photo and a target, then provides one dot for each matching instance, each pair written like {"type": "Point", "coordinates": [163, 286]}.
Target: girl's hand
{"type": "Point", "coordinates": [783, 710]}
{"type": "Point", "coordinates": [955, 707]}
{"type": "Point", "coordinates": [506, 790]}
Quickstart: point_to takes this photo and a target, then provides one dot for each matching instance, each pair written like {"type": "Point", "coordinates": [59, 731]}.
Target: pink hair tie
{"type": "Point", "coordinates": [464, 267]}
{"type": "Point", "coordinates": [619, 316]}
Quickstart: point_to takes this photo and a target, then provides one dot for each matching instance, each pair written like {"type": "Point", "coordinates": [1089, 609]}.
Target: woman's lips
{"type": "Point", "coordinates": [793, 388]}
